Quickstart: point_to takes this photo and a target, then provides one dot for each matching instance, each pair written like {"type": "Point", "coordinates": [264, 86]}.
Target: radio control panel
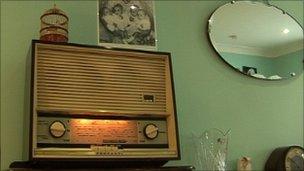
{"type": "Point", "coordinates": [54, 130]}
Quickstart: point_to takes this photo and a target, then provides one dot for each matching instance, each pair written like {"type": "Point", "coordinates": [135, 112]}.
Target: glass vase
{"type": "Point", "coordinates": [211, 149]}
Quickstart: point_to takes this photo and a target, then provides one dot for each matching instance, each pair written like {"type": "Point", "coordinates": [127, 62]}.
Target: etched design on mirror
{"type": "Point", "coordinates": [249, 34]}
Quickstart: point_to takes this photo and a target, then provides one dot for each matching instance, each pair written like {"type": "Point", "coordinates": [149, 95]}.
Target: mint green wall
{"type": "Point", "coordinates": [264, 65]}
{"type": "Point", "coordinates": [291, 62]}
{"type": "Point", "coordinates": [261, 114]}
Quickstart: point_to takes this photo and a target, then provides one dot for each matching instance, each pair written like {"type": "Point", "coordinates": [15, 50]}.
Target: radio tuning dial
{"type": "Point", "coordinates": [151, 131]}
{"type": "Point", "coordinates": [57, 129]}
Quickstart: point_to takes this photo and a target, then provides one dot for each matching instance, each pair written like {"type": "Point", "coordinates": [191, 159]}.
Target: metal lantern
{"type": "Point", "coordinates": [54, 25]}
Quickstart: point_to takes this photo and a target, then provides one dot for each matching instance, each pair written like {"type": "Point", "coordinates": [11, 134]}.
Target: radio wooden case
{"type": "Point", "coordinates": [93, 103]}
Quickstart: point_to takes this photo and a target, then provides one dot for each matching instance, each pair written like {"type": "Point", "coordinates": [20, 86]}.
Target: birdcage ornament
{"type": "Point", "coordinates": [54, 25]}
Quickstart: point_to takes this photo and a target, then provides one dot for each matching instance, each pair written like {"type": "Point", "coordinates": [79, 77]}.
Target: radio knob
{"type": "Point", "coordinates": [57, 129]}
{"type": "Point", "coordinates": [151, 131]}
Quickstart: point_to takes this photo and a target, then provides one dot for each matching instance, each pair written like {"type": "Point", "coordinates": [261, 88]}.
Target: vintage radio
{"type": "Point", "coordinates": [101, 104]}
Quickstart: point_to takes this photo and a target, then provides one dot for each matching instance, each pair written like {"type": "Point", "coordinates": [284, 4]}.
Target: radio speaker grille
{"type": "Point", "coordinates": [83, 79]}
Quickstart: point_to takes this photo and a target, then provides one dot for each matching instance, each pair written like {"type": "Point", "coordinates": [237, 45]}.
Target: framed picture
{"type": "Point", "coordinates": [127, 24]}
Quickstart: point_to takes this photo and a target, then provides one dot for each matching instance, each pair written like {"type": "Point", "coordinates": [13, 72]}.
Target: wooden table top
{"type": "Point", "coordinates": [30, 166]}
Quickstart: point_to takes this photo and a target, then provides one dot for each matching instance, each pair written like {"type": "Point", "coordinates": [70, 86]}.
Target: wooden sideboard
{"type": "Point", "coordinates": [181, 168]}
{"type": "Point", "coordinates": [30, 166]}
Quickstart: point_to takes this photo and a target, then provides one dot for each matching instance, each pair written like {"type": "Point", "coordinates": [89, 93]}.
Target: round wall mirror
{"type": "Point", "coordinates": [257, 39]}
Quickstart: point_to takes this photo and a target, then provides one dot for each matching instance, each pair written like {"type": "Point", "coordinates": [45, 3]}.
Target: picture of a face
{"type": "Point", "coordinates": [141, 14]}
{"type": "Point", "coordinates": [134, 10]}
{"type": "Point", "coordinates": [117, 9]}
{"type": "Point", "coordinates": [105, 11]}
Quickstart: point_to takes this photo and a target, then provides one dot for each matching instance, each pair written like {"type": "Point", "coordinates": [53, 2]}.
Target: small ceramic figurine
{"type": "Point", "coordinates": [244, 164]}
